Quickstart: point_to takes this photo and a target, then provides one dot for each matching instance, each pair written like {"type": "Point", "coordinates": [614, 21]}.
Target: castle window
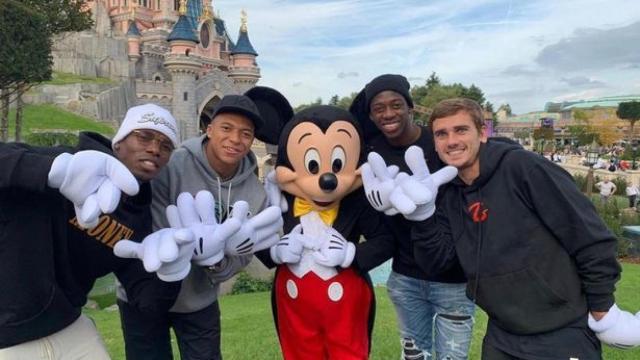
{"type": "Point", "coordinates": [158, 79]}
{"type": "Point", "coordinates": [186, 52]}
{"type": "Point", "coordinates": [185, 96]}
{"type": "Point", "coordinates": [176, 5]}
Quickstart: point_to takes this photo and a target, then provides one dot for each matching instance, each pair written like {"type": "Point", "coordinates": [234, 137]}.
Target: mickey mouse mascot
{"type": "Point", "coordinates": [323, 299]}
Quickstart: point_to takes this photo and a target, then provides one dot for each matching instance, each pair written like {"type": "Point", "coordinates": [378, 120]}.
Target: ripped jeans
{"type": "Point", "coordinates": [435, 319]}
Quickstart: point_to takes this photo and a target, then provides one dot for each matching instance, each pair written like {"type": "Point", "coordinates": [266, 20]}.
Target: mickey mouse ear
{"type": "Point", "coordinates": [274, 109]}
{"type": "Point", "coordinates": [360, 111]}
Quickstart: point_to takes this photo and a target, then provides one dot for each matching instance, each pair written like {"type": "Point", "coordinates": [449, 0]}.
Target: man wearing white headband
{"type": "Point", "coordinates": [61, 213]}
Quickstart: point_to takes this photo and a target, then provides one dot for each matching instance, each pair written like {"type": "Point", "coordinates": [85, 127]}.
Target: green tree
{"type": "Point", "coordinates": [345, 101]}
{"type": "Point", "coordinates": [301, 107]}
{"type": "Point", "coordinates": [27, 61]}
{"type": "Point", "coordinates": [629, 111]}
{"type": "Point", "coordinates": [334, 100]}
{"type": "Point", "coordinates": [29, 26]}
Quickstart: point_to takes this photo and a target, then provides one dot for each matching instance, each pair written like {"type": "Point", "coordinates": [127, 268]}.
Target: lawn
{"type": "Point", "coordinates": [248, 332]}
{"type": "Point", "coordinates": [61, 78]}
{"type": "Point", "coordinates": [48, 117]}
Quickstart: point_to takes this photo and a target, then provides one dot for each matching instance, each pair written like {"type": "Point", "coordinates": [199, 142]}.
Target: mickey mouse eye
{"type": "Point", "coordinates": [312, 161]}
{"type": "Point", "coordinates": [338, 159]}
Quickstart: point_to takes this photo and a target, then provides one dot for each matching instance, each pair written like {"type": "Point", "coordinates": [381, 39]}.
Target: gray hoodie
{"type": "Point", "coordinates": [189, 170]}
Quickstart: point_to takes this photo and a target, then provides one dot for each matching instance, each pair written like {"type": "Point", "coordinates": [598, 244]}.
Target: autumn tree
{"type": "Point", "coordinates": [629, 111]}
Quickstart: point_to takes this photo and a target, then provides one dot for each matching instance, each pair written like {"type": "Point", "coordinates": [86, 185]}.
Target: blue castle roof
{"type": "Point", "coordinates": [133, 29]}
{"type": "Point", "coordinates": [183, 30]}
{"type": "Point", "coordinates": [243, 46]}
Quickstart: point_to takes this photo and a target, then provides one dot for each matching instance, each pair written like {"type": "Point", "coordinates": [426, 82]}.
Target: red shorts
{"type": "Point", "coordinates": [323, 319]}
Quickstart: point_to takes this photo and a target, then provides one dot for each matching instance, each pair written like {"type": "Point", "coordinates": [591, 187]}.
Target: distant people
{"type": "Point", "coordinates": [632, 194]}
{"type": "Point", "coordinates": [607, 189]}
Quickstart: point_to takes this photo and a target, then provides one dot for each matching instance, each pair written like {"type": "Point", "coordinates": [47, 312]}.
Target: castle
{"type": "Point", "coordinates": [174, 53]}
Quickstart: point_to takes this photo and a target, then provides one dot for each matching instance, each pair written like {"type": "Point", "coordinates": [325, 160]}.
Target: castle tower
{"type": "Point", "coordinates": [243, 69]}
{"type": "Point", "coordinates": [133, 42]}
{"type": "Point", "coordinates": [184, 66]}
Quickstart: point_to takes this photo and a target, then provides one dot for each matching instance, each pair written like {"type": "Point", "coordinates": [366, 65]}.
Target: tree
{"type": "Point", "coordinates": [29, 26]}
{"type": "Point", "coordinates": [629, 111]}
{"type": "Point", "coordinates": [506, 108]}
{"type": "Point", "coordinates": [301, 107]}
{"type": "Point", "coordinates": [345, 101]}
{"type": "Point", "coordinates": [334, 100]}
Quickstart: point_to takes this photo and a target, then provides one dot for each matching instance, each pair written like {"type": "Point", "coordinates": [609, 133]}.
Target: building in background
{"type": "Point", "coordinates": [174, 53]}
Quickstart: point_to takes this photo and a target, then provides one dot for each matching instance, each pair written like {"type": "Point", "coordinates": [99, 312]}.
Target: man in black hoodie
{"type": "Point", "coordinates": [538, 258]}
{"type": "Point", "coordinates": [55, 243]}
{"type": "Point", "coordinates": [435, 318]}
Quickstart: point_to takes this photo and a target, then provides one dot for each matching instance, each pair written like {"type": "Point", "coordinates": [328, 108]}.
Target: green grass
{"type": "Point", "coordinates": [61, 78]}
{"type": "Point", "coordinates": [248, 331]}
{"type": "Point", "coordinates": [48, 117]}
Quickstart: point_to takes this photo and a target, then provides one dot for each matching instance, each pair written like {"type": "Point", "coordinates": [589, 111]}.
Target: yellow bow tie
{"type": "Point", "coordinates": [302, 207]}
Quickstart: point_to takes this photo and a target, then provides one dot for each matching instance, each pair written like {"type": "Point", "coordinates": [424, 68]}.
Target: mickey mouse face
{"type": "Point", "coordinates": [324, 163]}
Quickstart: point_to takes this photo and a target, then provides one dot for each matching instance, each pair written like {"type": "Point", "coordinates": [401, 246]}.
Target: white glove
{"type": "Point", "coordinates": [274, 195]}
{"type": "Point", "coordinates": [167, 252]}
{"type": "Point", "coordinates": [617, 328]}
{"type": "Point", "coordinates": [199, 216]}
{"type": "Point", "coordinates": [256, 233]}
{"type": "Point", "coordinates": [289, 249]}
{"type": "Point", "coordinates": [423, 186]}
{"type": "Point", "coordinates": [92, 181]}
{"type": "Point", "coordinates": [335, 250]}
{"type": "Point", "coordinates": [381, 189]}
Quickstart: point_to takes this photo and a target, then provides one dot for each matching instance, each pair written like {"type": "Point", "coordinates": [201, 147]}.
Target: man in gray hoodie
{"type": "Point", "coordinates": [221, 162]}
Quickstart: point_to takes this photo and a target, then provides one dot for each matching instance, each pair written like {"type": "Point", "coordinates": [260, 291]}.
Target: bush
{"type": "Point", "coordinates": [581, 183]}
{"type": "Point", "coordinates": [615, 220]}
{"type": "Point", "coordinates": [621, 185]}
{"type": "Point", "coordinates": [245, 283]}
{"type": "Point", "coordinates": [52, 139]}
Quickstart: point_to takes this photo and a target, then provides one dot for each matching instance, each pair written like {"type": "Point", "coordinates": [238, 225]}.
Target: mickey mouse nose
{"type": "Point", "coordinates": [328, 182]}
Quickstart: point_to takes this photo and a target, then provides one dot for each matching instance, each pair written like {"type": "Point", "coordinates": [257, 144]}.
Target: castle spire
{"type": "Point", "coordinates": [243, 21]}
{"type": "Point", "coordinates": [207, 13]}
{"type": "Point", "coordinates": [182, 10]}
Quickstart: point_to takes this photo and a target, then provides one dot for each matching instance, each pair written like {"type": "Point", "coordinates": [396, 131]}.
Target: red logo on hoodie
{"type": "Point", "coordinates": [478, 212]}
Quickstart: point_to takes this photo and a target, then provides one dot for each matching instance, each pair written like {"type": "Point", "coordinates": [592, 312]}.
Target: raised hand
{"type": "Point", "coordinates": [380, 187]}
{"type": "Point", "coordinates": [256, 233]}
{"type": "Point", "coordinates": [618, 328]}
{"type": "Point", "coordinates": [274, 195]}
{"type": "Point", "coordinates": [92, 181]}
{"type": "Point", "coordinates": [335, 250]}
{"type": "Point", "coordinates": [167, 252]}
{"type": "Point", "coordinates": [198, 215]}
{"type": "Point", "coordinates": [289, 249]}
{"type": "Point", "coordinates": [422, 186]}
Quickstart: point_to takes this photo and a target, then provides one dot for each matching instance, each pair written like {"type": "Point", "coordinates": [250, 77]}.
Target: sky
{"type": "Point", "coordinates": [524, 53]}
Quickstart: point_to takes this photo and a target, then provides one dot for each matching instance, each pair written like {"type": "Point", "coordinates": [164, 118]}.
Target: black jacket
{"type": "Point", "coordinates": [403, 260]}
{"type": "Point", "coordinates": [535, 252]}
{"type": "Point", "coordinates": [48, 265]}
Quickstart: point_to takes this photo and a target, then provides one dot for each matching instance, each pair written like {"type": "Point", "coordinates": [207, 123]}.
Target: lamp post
{"type": "Point", "coordinates": [634, 148]}
{"type": "Point", "coordinates": [592, 158]}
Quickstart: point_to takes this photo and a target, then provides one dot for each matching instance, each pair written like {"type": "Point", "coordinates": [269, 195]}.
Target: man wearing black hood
{"type": "Point", "coordinates": [538, 258]}
{"type": "Point", "coordinates": [435, 318]}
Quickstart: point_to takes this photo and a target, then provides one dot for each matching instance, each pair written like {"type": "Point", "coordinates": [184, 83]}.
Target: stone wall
{"type": "Point", "coordinates": [88, 54]}
{"type": "Point", "coordinates": [103, 102]}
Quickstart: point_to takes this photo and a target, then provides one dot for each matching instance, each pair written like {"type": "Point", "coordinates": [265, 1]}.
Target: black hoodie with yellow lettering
{"type": "Point", "coordinates": [48, 264]}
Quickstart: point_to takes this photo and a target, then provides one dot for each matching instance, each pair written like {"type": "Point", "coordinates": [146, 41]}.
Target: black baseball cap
{"type": "Point", "coordinates": [239, 104]}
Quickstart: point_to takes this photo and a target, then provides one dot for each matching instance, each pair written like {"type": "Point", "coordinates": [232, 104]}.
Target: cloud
{"type": "Point", "coordinates": [524, 53]}
{"type": "Point", "coordinates": [583, 81]}
{"type": "Point", "coordinates": [590, 48]}
{"type": "Point", "coordinates": [342, 75]}
{"type": "Point", "coordinates": [519, 70]}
